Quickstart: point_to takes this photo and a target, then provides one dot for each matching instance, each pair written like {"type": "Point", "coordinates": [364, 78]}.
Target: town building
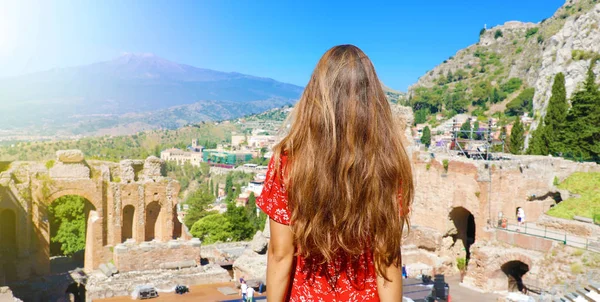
{"type": "Point", "coordinates": [253, 141]}
{"type": "Point", "coordinates": [216, 156]}
{"type": "Point", "coordinates": [182, 157]}
{"type": "Point", "coordinates": [256, 186]}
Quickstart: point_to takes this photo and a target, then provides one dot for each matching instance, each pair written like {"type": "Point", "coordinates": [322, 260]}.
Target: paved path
{"type": "Point", "coordinates": [459, 293]}
{"type": "Point", "coordinates": [204, 293]}
{"type": "Point", "coordinates": [529, 228]}
{"type": "Point", "coordinates": [209, 293]}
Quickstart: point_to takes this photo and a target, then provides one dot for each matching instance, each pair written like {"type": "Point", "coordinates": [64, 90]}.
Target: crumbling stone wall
{"type": "Point", "coordinates": [466, 183]}
{"type": "Point", "coordinates": [28, 188]}
{"type": "Point", "coordinates": [151, 255]}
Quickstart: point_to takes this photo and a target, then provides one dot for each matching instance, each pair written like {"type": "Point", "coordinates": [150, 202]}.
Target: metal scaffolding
{"type": "Point", "coordinates": [477, 144]}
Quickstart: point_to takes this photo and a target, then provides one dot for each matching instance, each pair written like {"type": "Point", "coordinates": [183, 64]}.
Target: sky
{"type": "Point", "coordinates": [282, 40]}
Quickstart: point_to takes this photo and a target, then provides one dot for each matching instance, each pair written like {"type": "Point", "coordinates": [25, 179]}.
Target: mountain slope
{"type": "Point", "coordinates": [492, 76]}
{"type": "Point", "coordinates": [131, 83]}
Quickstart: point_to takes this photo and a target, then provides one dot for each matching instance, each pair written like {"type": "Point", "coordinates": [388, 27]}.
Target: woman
{"type": "Point", "coordinates": [338, 190]}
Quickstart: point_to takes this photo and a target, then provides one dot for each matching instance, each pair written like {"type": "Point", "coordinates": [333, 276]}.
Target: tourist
{"type": "Point", "coordinates": [250, 295]}
{"type": "Point", "coordinates": [243, 289]}
{"type": "Point", "coordinates": [338, 189]}
{"type": "Point", "coordinates": [404, 274]}
{"type": "Point", "coordinates": [520, 216]}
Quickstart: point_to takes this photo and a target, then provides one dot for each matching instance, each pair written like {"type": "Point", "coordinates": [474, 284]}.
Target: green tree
{"type": "Point", "coordinates": [67, 225]}
{"type": "Point", "coordinates": [212, 228]}
{"type": "Point", "coordinates": [498, 34]}
{"type": "Point", "coordinates": [503, 136]}
{"type": "Point", "coordinates": [556, 115]}
{"type": "Point", "coordinates": [465, 129]}
{"type": "Point", "coordinates": [495, 96]}
{"type": "Point", "coordinates": [517, 137]}
{"type": "Point", "coordinates": [229, 185]}
{"type": "Point", "coordinates": [449, 77]}
{"type": "Point", "coordinates": [521, 104]}
{"type": "Point", "coordinates": [481, 92]}
{"type": "Point", "coordinates": [476, 134]}
{"type": "Point", "coordinates": [421, 116]}
{"type": "Point", "coordinates": [460, 75]}
{"type": "Point", "coordinates": [512, 85]}
{"type": "Point", "coordinates": [241, 228]}
{"type": "Point", "coordinates": [582, 135]}
{"type": "Point", "coordinates": [212, 187]}
{"type": "Point", "coordinates": [198, 202]}
{"type": "Point", "coordinates": [426, 137]}
{"type": "Point", "coordinates": [538, 144]}
{"type": "Point", "coordinates": [204, 169]}
{"type": "Point", "coordinates": [530, 32]}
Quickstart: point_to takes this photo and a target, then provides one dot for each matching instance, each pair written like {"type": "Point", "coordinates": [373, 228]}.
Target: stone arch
{"type": "Point", "coordinates": [92, 223]}
{"type": "Point", "coordinates": [508, 272]}
{"type": "Point", "coordinates": [464, 222]}
{"type": "Point", "coordinates": [8, 229]}
{"type": "Point", "coordinates": [153, 223]}
{"type": "Point", "coordinates": [128, 225]}
{"type": "Point", "coordinates": [177, 227]}
{"type": "Point", "coordinates": [514, 271]}
{"type": "Point", "coordinates": [88, 195]}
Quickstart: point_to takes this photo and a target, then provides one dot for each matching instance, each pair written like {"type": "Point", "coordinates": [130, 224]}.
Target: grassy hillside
{"type": "Point", "coordinates": [493, 77]}
{"type": "Point", "coordinates": [587, 185]}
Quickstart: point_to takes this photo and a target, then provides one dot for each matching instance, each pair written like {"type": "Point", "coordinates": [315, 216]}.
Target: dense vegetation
{"type": "Point", "coordinates": [277, 114]}
{"type": "Point", "coordinates": [516, 137]}
{"type": "Point", "coordinates": [572, 133]}
{"type": "Point", "coordinates": [115, 148]}
{"type": "Point", "coordinates": [452, 95]}
{"type": "Point", "coordinates": [426, 137]}
{"type": "Point", "coordinates": [67, 225]}
{"type": "Point", "coordinates": [187, 173]}
{"type": "Point", "coordinates": [237, 223]}
{"type": "Point", "coordinates": [492, 79]}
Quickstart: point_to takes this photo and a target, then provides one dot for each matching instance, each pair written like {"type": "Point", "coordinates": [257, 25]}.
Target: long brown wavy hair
{"type": "Point", "coordinates": [348, 177]}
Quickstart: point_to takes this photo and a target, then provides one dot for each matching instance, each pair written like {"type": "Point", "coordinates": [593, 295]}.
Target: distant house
{"type": "Point", "coordinates": [181, 157]}
{"type": "Point", "coordinates": [216, 156]}
{"type": "Point", "coordinates": [256, 186]}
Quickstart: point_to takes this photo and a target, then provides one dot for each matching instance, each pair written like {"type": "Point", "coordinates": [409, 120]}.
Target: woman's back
{"type": "Point", "coordinates": [341, 182]}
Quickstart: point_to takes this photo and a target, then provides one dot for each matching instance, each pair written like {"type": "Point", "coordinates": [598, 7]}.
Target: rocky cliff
{"type": "Point", "coordinates": [533, 52]}
{"type": "Point", "coordinates": [568, 51]}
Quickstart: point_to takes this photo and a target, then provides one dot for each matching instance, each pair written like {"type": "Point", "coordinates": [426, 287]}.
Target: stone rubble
{"type": "Point", "coordinates": [259, 243]}
{"type": "Point", "coordinates": [122, 284]}
{"type": "Point", "coordinates": [70, 156]}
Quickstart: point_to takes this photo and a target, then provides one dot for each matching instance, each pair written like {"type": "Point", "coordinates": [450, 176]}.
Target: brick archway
{"type": "Point", "coordinates": [128, 225]}
{"type": "Point", "coordinates": [31, 187]}
{"type": "Point", "coordinates": [95, 235]}
{"type": "Point", "coordinates": [500, 275]}
{"type": "Point", "coordinates": [464, 222]}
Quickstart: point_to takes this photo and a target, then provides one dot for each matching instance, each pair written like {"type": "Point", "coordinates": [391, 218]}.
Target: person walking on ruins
{"type": "Point", "coordinates": [338, 190]}
{"type": "Point", "coordinates": [250, 294]}
{"type": "Point", "coordinates": [244, 289]}
{"type": "Point", "coordinates": [520, 217]}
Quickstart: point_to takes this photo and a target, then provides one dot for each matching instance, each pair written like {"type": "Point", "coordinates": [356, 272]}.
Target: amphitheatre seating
{"type": "Point", "coordinates": [595, 286]}
{"type": "Point", "coordinates": [571, 297]}
{"type": "Point", "coordinates": [584, 292]}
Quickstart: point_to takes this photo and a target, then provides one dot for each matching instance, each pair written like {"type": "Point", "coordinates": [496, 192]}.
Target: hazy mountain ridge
{"type": "Point", "coordinates": [59, 98]}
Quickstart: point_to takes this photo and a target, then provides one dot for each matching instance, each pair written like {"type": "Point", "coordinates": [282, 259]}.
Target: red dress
{"type": "Point", "coordinates": [353, 284]}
